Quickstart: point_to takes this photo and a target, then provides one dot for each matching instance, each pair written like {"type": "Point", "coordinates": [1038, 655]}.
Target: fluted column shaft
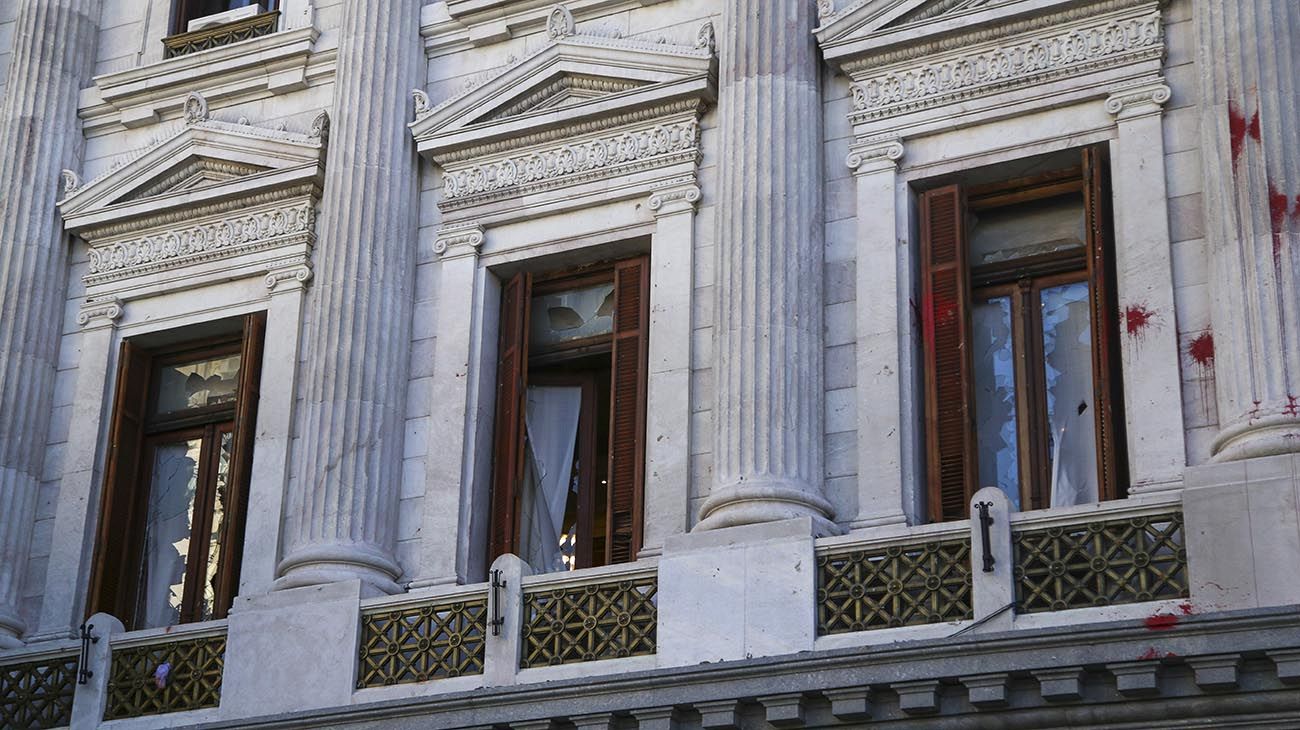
{"type": "Point", "coordinates": [769, 402]}
{"type": "Point", "coordinates": [54, 49]}
{"type": "Point", "coordinates": [341, 516]}
{"type": "Point", "coordinates": [1248, 52]}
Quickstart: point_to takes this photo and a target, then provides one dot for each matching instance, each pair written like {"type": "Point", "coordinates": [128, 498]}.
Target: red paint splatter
{"type": "Point", "coordinates": [1279, 209]}
{"type": "Point", "coordinates": [1161, 621]}
{"type": "Point", "coordinates": [1185, 608]}
{"type": "Point", "coordinates": [1154, 653]}
{"type": "Point", "coordinates": [1239, 128]}
{"type": "Point", "coordinates": [1137, 318]}
{"type": "Point", "coordinates": [1201, 350]}
{"type": "Point", "coordinates": [1292, 407]}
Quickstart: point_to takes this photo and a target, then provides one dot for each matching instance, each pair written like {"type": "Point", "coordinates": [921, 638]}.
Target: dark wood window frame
{"type": "Point", "coordinates": [135, 434]}
{"type": "Point", "coordinates": [950, 286]}
{"type": "Point", "coordinates": [628, 350]}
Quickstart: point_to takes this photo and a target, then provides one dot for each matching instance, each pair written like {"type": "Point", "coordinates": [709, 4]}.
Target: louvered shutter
{"type": "Point", "coordinates": [512, 388]}
{"type": "Point", "coordinates": [1107, 383]}
{"type": "Point", "coordinates": [120, 517]}
{"type": "Point", "coordinates": [241, 459]}
{"type": "Point", "coordinates": [945, 329]}
{"type": "Point", "coordinates": [627, 409]}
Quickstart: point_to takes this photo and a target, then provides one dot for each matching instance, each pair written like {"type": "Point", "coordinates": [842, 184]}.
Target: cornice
{"type": "Point", "coordinates": [1055, 50]}
{"type": "Point", "coordinates": [462, 24]}
{"type": "Point", "coordinates": [272, 64]}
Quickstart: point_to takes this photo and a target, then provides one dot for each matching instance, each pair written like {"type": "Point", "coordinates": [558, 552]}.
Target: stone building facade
{"type": "Point", "coordinates": [649, 363]}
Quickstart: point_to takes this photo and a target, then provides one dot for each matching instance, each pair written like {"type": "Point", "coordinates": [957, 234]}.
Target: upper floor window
{"type": "Point", "coordinates": [202, 24]}
{"type": "Point", "coordinates": [1019, 331]}
{"type": "Point", "coordinates": [571, 382]}
{"type": "Point", "coordinates": [176, 489]}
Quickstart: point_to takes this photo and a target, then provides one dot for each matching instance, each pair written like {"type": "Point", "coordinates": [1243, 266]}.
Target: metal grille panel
{"type": "Point", "coordinates": [221, 35]}
{"type": "Point", "coordinates": [900, 585]}
{"type": "Point", "coordinates": [418, 644]}
{"type": "Point", "coordinates": [138, 685]}
{"type": "Point", "coordinates": [38, 693]}
{"type": "Point", "coordinates": [590, 622]}
{"type": "Point", "coordinates": [1131, 560]}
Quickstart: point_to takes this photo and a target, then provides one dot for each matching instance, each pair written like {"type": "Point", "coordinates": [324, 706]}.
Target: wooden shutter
{"type": "Point", "coordinates": [945, 329]}
{"type": "Point", "coordinates": [241, 461]}
{"type": "Point", "coordinates": [1107, 381]}
{"type": "Point", "coordinates": [120, 515]}
{"type": "Point", "coordinates": [512, 396]}
{"type": "Point", "coordinates": [627, 409]}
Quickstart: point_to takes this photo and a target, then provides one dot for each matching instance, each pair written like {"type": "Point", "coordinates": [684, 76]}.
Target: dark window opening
{"type": "Point", "coordinates": [1019, 331]}
{"type": "Point", "coordinates": [567, 478]}
{"type": "Point", "coordinates": [188, 11]}
{"type": "Point", "coordinates": [176, 486]}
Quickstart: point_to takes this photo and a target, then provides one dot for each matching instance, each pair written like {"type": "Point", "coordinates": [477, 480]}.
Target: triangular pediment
{"type": "Point", "coordinates": [572, 80]}
{"type": "Point", "coordinates": [200, 161]}
{"type": "Point", "coordinates": [856, 26]}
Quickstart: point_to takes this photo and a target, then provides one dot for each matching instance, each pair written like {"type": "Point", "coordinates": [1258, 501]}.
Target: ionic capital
{"type": "Point", "coordinates": [874, 155]}
{"type": "Point", "coordinates": [1138, 101]}
{"type": "Point", "coordinates": [458, 239]}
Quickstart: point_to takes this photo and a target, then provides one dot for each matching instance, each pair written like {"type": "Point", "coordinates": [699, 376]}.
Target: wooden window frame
{"type": "Point", "coordinates": [629, 354]}
{"type": "Point", "coordinates": [134, 436]}
{"type": "Point", "coordinates": [951, 454]}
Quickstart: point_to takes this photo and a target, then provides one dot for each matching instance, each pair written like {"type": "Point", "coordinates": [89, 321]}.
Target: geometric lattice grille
{"type": "Point", "coordinates": [221, 35]}
{"type": "Point", "coordinates": [422, 643]}
{"type": "Point", "coordinates": [165, 677]}
{"type": "Point", "coordinates": [894, 586]}
{"type": "Point", "coordinates": [37, 694]}
{"type": "Point", "coordinates": [589, 622]}
{"type": "Point", "coordinates": [1132, 560]}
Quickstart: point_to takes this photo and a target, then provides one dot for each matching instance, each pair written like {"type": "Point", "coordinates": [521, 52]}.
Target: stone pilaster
{"type": "Point", "coordinates": [769, 401]}
{"type": "Point", "coordinates": [54, 47]}
{"type": "Point", "coordinates": [341, 517]}
{"type": "Point", "coordinates": [1247, 57]}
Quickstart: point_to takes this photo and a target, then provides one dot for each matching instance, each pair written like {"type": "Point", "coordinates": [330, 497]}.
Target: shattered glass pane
{"type": "Point", "coordinates": [1067, 356]}
{"type": "Point", "coordinates": [995, 397]}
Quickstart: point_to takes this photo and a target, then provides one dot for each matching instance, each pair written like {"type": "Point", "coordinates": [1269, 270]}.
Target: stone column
{"type": "Point", "coordinates": [341, 517]}
{"type": "Point", "coordinates": [54, 49]}
{"type": "Point", "coordinates": [884, 323]}
{"type": "Point", "coordinates": [769, 401]}
{"type": "Point", "coordinates": [1247, 57]}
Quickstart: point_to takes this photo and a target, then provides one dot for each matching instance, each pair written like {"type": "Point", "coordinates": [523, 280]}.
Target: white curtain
{"type": "Point", "coordinates": [551, 420]}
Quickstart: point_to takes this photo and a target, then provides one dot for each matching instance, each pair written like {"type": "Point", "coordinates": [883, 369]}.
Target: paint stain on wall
{"type": "Point", "coordinates": [1201, 350]}
{"type": "Point", "coordinates": [1137, 318]}
{"type": "Point", "coordinates": [1239, 127]}
{"type": "Point", "coordinates": [1160, 621]}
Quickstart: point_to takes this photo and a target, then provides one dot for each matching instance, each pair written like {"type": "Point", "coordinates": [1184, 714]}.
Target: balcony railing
{"type": "Point", "coordinates": [169, 674]}
{"type": "Point", "coordinates": [607, 620]}
{"type": "Point", "coordinates": [1100, 563]}
{"type": "Point", "coordinates": [222, 35]}
{"type": "Point", "coordinates": [37, 693]}
{"type": "Point", "coordinates": [893, 586]}
{"type": "Point", "coordinates": [433, 640]}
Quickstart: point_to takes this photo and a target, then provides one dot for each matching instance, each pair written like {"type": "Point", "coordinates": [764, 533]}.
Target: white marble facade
{"type": "Point", "coordinates": [498, 186]}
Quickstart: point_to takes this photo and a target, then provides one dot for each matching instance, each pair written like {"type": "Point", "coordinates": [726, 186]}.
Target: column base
{"type": "Point", "coordinates": [323, 564]}
{"type": "Point", "coordinates": [1268, 435]}
{"type": "Point", "coordinates": [753, 502]}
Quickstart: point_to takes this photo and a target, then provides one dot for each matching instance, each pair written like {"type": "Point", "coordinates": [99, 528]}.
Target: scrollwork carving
{"type": "Point", "coordinates": [108, 309]}
{"type": "Point", "coordinates": [423, 105]}
{"type": "Point", "coordinates": [454, 236]}
{"type": "Point", "coordinates": [71, 182]}
{"type": "Point", "coordinates": [572, 159]}
{"type": "Point", "coordinates": [196, 108]}
{"type": "Point", "coordinates": [560, 24]}
{"type": "Point", "coordinates": [707, 39]}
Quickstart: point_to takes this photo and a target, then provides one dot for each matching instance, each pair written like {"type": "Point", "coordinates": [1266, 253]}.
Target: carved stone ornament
{"type": "Point", "coordinates": [297, 272]}
{"type": "Point", "coordinates": [615, 107]}
{"type": "Point", "coordinates": [458, 235]}
{"type": "Point", "coordinates": [422, 103]}
{"type": "Point", "coordinates": [71, 182]}
{"type": "Point", "coordinates": [108, 309]}
{"type": "Point", "coordinates": [196, 108]}
{"type": "Point", "coordinates": [707, 39]}
{"type": "Point", "coordinates": [320, 127]}
{"type": "Point", "coordinates": [825, 10]}
{"type": "Point", "coordinates": [560, 24]}
{"type": "Point", "coordinates": [677, 192]}
{"type": "Point", "coordinates": [1149, 98]}
{"type": "Point", "coordinates": [198, 206]}
{"type": "Point", "coordinates": [871, 152]}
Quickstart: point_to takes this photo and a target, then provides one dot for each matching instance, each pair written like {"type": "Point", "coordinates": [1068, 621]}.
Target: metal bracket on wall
{"type": "Point", "coordinates": [497, 619]}
{"type": "Point", "coordinates": [986, 520]}
{"type": "Point", "coordinates": [83, 671]}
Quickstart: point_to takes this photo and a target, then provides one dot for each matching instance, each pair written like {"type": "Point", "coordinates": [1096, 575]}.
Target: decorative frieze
{"type": "Point", "coordinates": [660, 144]}
{"type": "Point", "coordinates": [1024, 61]}
{"type": "Point", "coordinates": [226, 236]}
